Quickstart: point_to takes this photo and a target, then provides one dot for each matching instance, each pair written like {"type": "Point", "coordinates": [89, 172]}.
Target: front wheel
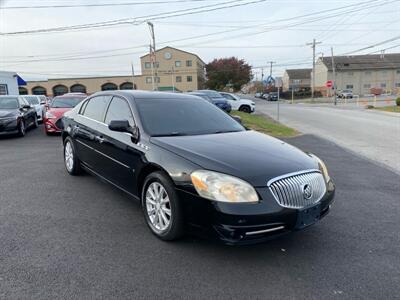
{"type": "Point", "coordinates": [161, 207]}
{"type": "Point", "coordinates": [21, 128]}
{"type": "Point", "coordinates": [35, 122]}
{"type": "Point", "coordinates": [71, 161]}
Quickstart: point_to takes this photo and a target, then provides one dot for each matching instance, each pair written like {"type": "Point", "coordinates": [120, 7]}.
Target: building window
{"type": "Point", "coordinates": [156, 64]}
{"type": "Point", "coordinates": [157, 79]}
{"type": "Point", "coordinates": [350, 73]}
{"type": "Point", "coordinates": [126, 86]}
{"type": "Point", "coordinates": [188, 63]}
{"type": "Point", "coordinates": [59, 90]}
{"type": "Point", "coordinates": [78, 88]}
{"type": "Point", "coordinates": [398, 71]}
{"type": "Point", "coordinates": [367, 86]}
{"type": "Point", "coordinates": [3, 89]}
{"type": "Point", "coordinates": [189, 79]}
{"type": "Point", "coordinates": [22, 90]}
{"type": "Point", "coordinates": [109, 86]}
{"type": "Point", "coordinates": [147, 65]}
{"type": "Point", "coordinates": [349, 86]}
{"type": "Point", "coordinates": [296, 81]}
{"type": "Point", "coordinates": [177, 63]}
{"type": "Point", "coordinates": [178, 78]}
{"type": "Point", "coordinates": [39, 90]}
{"type": "Point", "coordinates": [383, 85]}
{"type": "Point", "coordinates": [367, 72]}
{"type": "Point", "coordinates": [149, 80]}
{"type": "Point", "coordinates": [397, 84]}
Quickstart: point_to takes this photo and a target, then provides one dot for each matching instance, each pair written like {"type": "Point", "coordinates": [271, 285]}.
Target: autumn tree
{"type": "Point", "coordinates": [224, 72]}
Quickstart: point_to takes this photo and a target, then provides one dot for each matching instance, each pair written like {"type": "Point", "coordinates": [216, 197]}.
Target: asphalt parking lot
{"type": "Point", "coordinates": [77, 237]}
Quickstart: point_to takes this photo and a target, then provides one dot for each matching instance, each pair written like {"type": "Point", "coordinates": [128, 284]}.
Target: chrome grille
{"type": "Point", "coordinates": [290, 190]}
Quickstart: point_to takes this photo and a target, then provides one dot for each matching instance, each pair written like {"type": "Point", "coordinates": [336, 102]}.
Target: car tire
{"type": "Point", "coordinates": [161, 207]}
{"type": "Point", "coordinates": [71, 160]}
{"type": "Point", "coordinates": [35, 123]}
{"type": "Point", "coordinates": [245, 109]}
{"type": "Point", "coordinates": [21, 128]}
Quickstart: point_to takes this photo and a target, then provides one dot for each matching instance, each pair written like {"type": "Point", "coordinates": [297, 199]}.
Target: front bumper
{"type": "Point", "coordinates": [50, 126]}
{"type": "Point", "coordinates": [8, 126]}
{"type": "Point", "coordinates": [244, 223]}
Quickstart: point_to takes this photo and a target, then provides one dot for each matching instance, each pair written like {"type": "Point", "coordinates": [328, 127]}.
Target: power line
{"type": "Point", "coordinates": [103, 4]}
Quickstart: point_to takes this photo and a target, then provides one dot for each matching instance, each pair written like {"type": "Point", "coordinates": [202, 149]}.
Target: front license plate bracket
{"type": "Point", "coordinates": [308, 216]}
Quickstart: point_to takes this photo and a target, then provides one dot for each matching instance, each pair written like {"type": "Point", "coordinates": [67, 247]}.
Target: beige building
{"type": "Point", "coordinates": [296, 79]}
{"type": "Point", "coordinates": [363, 74]}
{"type": "Point", "coordinates": [173, 69]}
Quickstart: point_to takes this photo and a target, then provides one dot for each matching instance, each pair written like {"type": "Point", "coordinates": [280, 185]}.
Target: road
{"type": "Point", "coordinates": [65, 237]}
{"type": "Point", "coordinates": [373, 134]}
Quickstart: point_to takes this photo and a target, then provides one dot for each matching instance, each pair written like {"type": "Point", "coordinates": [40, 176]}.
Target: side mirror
{"type": "Point", "coordinates": [42, 102]}
{"type": "Point", "coordinates": [237, 119]}
{"type": "Point", "coordinates": [124, 126]}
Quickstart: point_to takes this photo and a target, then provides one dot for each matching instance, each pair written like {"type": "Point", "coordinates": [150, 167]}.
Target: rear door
{"type": "Point", "coordinates": [121, 155]}
{"type": "Point", "coordinates": [87, 131]}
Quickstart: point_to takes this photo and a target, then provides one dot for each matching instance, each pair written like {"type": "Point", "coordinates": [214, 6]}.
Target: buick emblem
{"type": "Point", "coordinates": [307, 191]}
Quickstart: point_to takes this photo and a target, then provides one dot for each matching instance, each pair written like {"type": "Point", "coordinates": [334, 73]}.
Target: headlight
{"type": "Point", "coordinates": [49, 115]}
{"type": "Point", "coordinates": [322, 167]}
{"type": "Point", "coordinates": [224, 188]}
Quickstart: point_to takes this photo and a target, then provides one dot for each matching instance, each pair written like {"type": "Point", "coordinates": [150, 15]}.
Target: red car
{"type": "Point", "coordinates": [59, 105]}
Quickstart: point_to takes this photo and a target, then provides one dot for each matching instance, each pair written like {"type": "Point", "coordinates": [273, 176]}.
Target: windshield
{"type": "Point", "coordinates": [8, 103]}
{"type": "Point", "coordinates": [166, 117]}
{"type": "Point", "coordinates": [212, 94]}
{"type": "Point", "coordinates": [66, 102]}
{"type": "Point", "coordinates": [33, 100]}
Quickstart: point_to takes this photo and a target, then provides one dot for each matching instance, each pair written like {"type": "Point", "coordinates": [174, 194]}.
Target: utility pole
{"type": "Point", "coordinates": [133, 76]}
{"type": "Point", "coordinates": [334, 76]}
{"type": "Point", "coordinates": [172, 80]}
{"type": "Point", "coordinates": [313, 44]}
{"type": "Point", "coordinates": [152, 55]}
{"type": "Point", "coordinates": [270, 68]}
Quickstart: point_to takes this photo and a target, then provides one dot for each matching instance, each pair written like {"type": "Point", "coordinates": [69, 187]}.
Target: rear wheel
{"type": "Point", "coordinates": [245, 108]}
{"type": "Point", "coordinates": [161, 207]}
{"type": "Point", "coordinates": [71, 161]}
{"type": "Point", "coordinates": [35, 123]}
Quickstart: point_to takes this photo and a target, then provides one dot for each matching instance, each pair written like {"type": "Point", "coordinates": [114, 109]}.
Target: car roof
{"type": "Point", "coordinates": [139, 94]}
{"type": "Point", "coordinates": [71, 95]}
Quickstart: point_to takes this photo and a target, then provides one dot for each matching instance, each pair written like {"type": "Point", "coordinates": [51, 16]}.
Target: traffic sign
{"type": "Point", "coordinates": [329, 83]}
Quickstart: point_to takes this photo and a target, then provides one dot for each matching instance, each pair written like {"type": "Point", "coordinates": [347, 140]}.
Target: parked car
{"type": "Point", "coordinates": [258, 95]}
{"type": "Point", "coordinates": [184, 160]}
{"type": "Point", "coordinates": [238, 103]}
{"type": "Point", "coordinates": [345, 94]}
{"type": "Point", "coordinates": [216, 99]}
{"type": "Point", "coordinates": [16, 115]}
{"type": "Point", "coordinates": [201, 95]}
{"type": "Point", "coordinates": [59, 105]}
{"type": "Point", "coordinates": [35, 102]}
{"type": "Point", "coordinates": [273, 96]}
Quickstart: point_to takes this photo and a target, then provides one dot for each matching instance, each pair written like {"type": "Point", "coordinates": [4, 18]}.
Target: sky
{"type": "Point", "coordinates": [257, 31]}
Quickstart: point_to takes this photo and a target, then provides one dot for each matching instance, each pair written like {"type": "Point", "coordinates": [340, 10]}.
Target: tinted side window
{"type": "Point", "coordinates": [96, 107]}
{"type": "Point", "coordinates": [119, 110]}
{"type": "Point", "coordinates": [22, 101]}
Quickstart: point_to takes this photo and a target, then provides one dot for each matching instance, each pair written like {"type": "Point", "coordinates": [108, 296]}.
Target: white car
{"type": "Point", "coordinates": [35, 102]}
{"type": "Point", "coordinates": [237, 103]}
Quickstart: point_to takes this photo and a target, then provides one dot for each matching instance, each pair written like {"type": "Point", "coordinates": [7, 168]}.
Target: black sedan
{"type": "Point", "coordinates": [16, 115]}
{"type": "Point", "coordinates": [194, 167]}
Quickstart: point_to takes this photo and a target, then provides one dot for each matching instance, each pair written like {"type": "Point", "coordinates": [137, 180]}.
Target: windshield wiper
{"type": "Point", "coordinates": [170, 134]}
{"type": "Point", "coordinates": [225, 131]}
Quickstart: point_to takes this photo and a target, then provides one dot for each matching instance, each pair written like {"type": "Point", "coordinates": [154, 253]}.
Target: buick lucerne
{"type": "Point", "coordinates": [194, 168]}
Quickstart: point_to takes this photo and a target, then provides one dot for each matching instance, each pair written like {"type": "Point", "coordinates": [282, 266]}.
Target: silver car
{"type": "Point", "coordinates": [35, 102]}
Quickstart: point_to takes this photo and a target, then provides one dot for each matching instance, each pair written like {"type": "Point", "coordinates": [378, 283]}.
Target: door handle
{"type": "Point", "coordinates": [100, 139]}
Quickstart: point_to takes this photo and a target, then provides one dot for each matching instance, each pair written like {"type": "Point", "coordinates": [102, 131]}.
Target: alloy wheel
{"type": "Point", "coordinates": [69, 156]}
{"type": "Point", "coordinates": [158, 206]}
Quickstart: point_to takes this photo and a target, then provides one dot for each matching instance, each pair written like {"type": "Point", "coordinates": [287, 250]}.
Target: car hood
{"type": "Point", "coordinates": [58, 112]}
{"type": "Point", "coordinates": [5, 113]}
{"type": "Point", "coordinates": [250, 155]}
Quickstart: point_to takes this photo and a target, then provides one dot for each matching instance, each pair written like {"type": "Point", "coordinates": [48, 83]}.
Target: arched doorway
{"type": "Point", "coordinates": [59, 90]}
{"type": "Point", "coordinates": [22, 90]}
{"type": "Point", "coordinates": [109, 86]}
{"type": "Point", "coordinates": [127, 86]}
{"type": "Point", "coordinates": [78, 88]}
{"type": "Point", "coordinates": [39, 90]}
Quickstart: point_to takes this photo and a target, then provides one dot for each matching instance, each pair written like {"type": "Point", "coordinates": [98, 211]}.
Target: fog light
{"type": "Point", "coordinates": [48, 126]}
